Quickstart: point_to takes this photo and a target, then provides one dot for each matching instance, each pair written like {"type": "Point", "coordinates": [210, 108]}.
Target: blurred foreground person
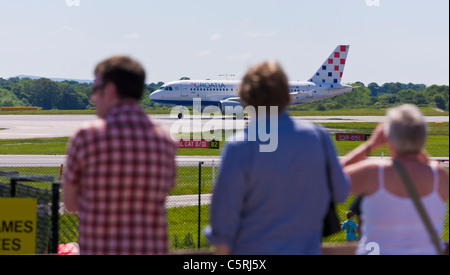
{"type": "Point", "coordinates": [120, 168]}
{"type": "Point", "coordinates": [390, 218]}
{"type": "Point", "coordinates": [273, 201]}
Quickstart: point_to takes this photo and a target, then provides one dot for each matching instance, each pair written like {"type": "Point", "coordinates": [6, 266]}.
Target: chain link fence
{"type": "Point", "coordinates": [187, 205]}
{"type": "Point", "coordinates": [46, 191]}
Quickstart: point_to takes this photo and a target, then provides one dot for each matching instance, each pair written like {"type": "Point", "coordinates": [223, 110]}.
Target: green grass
{"type": "Point", "coordinates": [187, 180]}
{"type": "Point", "coordinates": [183, 227]}
{"type": "Point", "coordinates": [199, 152]}
{"type": "Point", "coordinates": [34, 146]}
{"type": "Point", "coordinates": [437, 144]}
{"type": "Point", "coordinates": [427, 111]}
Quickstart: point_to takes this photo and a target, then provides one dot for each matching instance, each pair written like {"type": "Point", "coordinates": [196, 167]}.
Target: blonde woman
{"type": "Point", "coordinates": [390, 218]}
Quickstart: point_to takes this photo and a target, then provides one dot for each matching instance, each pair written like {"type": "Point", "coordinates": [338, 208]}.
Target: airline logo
{"type": "Point", "coordinates": [209, 85]}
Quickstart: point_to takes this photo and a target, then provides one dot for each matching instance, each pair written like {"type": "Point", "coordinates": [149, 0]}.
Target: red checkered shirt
{"type": "Point", "coordinates": [124, 166]}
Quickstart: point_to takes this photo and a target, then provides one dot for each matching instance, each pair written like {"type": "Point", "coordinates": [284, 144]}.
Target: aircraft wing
{"type": "Point", "coordinates": [343, 89]}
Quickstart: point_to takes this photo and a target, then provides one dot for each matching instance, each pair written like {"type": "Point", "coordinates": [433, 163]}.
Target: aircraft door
{"type": "Point", "coordinates": [183, 90]}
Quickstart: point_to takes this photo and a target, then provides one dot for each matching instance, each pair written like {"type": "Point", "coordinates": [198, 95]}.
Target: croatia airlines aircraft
{"type": "Point", "coordinates": [325, 83]}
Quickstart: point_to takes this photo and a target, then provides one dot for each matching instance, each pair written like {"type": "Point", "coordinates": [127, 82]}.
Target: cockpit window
{"type": "Point", "coordinates": [166, 88]}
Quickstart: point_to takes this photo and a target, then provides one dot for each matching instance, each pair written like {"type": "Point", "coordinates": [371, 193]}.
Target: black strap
{"type": "Point", "coordinates": [417, 202]}
{"type": "Point", "coordinates": [327, 164]}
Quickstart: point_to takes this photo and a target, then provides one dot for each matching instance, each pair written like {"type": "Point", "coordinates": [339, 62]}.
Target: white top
{"type": "Point", "coordinates": [392, 225]}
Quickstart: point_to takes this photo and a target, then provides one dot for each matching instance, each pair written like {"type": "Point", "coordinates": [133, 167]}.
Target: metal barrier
{"type": "Point", "coordinates": [48, 199]}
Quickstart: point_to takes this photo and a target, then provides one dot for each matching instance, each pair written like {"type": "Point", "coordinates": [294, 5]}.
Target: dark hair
{"type": "Point", "coordinates": [349, 214]}
{"type": "Point", "coordinates": [126, 74]}
{"type": "Point", "coordinates": [265, 84]}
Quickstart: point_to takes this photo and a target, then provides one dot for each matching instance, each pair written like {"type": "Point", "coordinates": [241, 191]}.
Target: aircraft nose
{"type": "Point", "coordinates": [155, 95]}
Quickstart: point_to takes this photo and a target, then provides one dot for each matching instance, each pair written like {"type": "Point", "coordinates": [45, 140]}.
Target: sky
{"type": "Point", "coordinates": [390, 40]}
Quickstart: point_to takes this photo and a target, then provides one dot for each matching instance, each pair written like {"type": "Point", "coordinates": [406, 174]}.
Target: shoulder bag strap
{"type": "Point", "coordinates": [327, 164]}
{"type": "Point", "coordinates": [417, 202]}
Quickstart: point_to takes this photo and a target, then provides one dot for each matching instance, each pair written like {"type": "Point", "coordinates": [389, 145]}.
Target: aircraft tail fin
{"type": "Point", "coordinates": [332, 70]}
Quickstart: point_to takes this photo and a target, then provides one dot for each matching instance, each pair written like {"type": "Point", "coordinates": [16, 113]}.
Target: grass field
{"type": "Point", "coordinates": [437, 144]}
{"type": "Point", "coordinates": [34, 146]}
{"type": "Point", "coordinates": [361, 112]}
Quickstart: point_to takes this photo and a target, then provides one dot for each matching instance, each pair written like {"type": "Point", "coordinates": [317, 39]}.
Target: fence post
{"type": "Point", "coordinates": [55, 217]}
{"type": "Point", "coordinates": [213, 173]}
{"type": "Point", "coordinates": [199, 200]}
{"type": "Point", "coordinates": [13, 188]}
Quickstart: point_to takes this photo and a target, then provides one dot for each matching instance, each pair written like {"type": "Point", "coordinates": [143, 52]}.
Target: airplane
{"type": "Point", "coordinates": [325, 83]}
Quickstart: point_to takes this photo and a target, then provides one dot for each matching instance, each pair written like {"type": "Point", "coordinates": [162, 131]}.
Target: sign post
{"type": "Point", "coordinates": [351, 137]}
{"type": "Point", "coordinates": [198, 144]}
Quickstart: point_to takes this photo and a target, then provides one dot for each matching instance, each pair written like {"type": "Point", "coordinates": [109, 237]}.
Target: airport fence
{"type": "Point", "coordinates": [187, 205]}
{"type": "Point", "coordinates": [46, 192]}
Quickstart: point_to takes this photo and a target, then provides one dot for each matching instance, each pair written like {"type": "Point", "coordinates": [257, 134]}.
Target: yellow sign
{"type": "Point", "coordinates": [214, 144]}
{"type": "Point", "coordinates": [18, 218]}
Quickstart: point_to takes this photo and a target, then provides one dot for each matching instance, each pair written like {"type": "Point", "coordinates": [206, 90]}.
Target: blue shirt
{"type": "Point", "coordinates": [350, 228]}
{"type": "Point", "coordinates": [274, 203]}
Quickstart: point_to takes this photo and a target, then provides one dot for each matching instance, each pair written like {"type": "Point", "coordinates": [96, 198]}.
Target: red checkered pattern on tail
{"type": "Point", "coordinates": [332, 70]}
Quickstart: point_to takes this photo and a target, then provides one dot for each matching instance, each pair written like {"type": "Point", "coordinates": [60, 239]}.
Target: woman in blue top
{"type": "Point", "coordinates": [273, 201]}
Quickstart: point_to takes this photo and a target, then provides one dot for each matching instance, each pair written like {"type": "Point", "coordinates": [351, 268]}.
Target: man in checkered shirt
{"type": "Point", "coordinates": [120, 168]}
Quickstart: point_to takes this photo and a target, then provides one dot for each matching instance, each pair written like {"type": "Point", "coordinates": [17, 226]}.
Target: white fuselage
{"type": "Point", "coordinates": [182, 93]}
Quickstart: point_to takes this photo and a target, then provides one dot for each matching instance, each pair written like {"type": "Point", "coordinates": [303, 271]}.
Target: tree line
{"type": "Point", "coordinates": [72, 95]}
{"type": "Point", "coordinates": [52, 95]}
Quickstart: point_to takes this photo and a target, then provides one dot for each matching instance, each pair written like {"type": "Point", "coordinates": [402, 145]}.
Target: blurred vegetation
{"type": "Point", "coordinates": [72, 95]}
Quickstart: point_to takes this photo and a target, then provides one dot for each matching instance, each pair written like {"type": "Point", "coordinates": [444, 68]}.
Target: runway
{"type": "Point", "coordinates": [46, 126]}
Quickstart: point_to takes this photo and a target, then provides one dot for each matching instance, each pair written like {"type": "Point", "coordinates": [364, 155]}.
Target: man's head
{"type": "Point", "coordinates": [265, 84]}
{"type": "Point", "coordinates": [117, 79]}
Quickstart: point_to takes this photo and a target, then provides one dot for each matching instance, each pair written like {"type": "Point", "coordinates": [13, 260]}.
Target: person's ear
{"type": "Point", "coordinates": [111, 91]}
